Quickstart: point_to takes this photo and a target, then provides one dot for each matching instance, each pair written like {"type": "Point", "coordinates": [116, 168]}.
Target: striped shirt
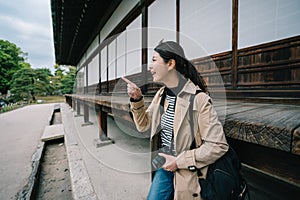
{"type": "Point", "coordinates": [167, 118]}
{"type": "Point", "coordinates": [167, 122]}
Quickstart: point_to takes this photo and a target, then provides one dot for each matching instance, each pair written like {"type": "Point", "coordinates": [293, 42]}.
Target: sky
{"type": "Point", "coordinates": [28, 24]}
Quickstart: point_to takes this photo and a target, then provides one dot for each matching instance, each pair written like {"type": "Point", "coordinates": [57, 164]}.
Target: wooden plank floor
{"type": "Point", "coordinates": [266, 137]}
{"type": "Point", "coordinates": [267, 124]}
{"type": "Point", "coordinates": [271, 125]}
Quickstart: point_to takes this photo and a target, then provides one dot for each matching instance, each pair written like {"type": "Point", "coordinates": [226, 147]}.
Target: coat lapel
{"type": "Point", "coordinates": [181, 109]}
{"type": "Point", "coordinates": [182, 105]}
{"type": "Point", "coordinates": [155, 107]}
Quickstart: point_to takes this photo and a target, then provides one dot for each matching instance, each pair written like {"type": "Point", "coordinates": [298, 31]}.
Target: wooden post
{"type": "Point", "coordinates": [144, 44]}
{"type": "Point", "coordinates": [78, 109]}
{"type": "Point", "coordinates": [86, 115]}
{"type": "Point", "coordinates": [73, 103]}
{"type": "Point", "coordinates": [102, 126]}
{"type": "Point", "coordinates": [102, 123]}
{"type": "Point", "coordinates": [234, 43]}
{"type": "Point", "coordinates": [177, 21]}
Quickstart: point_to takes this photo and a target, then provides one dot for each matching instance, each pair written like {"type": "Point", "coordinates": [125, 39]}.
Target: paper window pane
{"type": "Point", "coordinates": [162, 23]}
{"type": "Point", "coordinates": [93, 71]}
{"type": "Point", "coordinates": [134, 47]}
{"type": "Point", "coordinates": [206, 24]}
{"type": "Point", "coordinates": [104, 64]}
{"type": "Point", "coordinates": [266, 21]}
{"type": "Point", "coordinates": [121, 55]}
{"type": "Point", "coordinates": [112, 60]}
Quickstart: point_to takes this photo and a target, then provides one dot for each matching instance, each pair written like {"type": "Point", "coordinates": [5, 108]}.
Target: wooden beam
{"type": "Point", "coordinates": [86, 115]}
{"type": "Point", "coordinates": [100, 72]}
{"type": "Point", "coordinates": [78, 108]}
{"type": "Point", "coordinates": [177, 21]}
{"type": "Point", "coordinates": [102, 126]}
{"type": "Point", "coordinates": [234, 43]}
{"type": "Point", "coordinates": [86, 79]}
{"type": "Point", "coordinates": [107, 82]}
{"type": "Point", "coordinates": [144, 42]}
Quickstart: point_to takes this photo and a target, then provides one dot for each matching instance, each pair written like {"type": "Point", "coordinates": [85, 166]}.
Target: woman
{"type": "Point", "coordinates": [170, 126]}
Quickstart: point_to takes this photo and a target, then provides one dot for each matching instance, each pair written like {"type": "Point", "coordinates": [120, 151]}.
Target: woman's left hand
{"type": "Point", "coordinates": [170, 164]}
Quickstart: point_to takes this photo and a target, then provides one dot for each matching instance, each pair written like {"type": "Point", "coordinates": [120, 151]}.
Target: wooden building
{"type": "Point", "coordinates": [246, 50]}
{"type": "Point", "coordinates": [253, 44]}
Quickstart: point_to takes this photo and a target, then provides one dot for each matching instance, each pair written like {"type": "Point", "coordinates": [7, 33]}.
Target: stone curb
{"type": "Point", "coordinates": [82, 188]}
{"type": "Point", "coordinates": [28, 189]}
{"type": "Point", "coordinates": [53, 132]}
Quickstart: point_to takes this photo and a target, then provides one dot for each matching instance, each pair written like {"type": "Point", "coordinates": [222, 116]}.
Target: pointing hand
{"type": "Point", "coordinates": [132, 89]}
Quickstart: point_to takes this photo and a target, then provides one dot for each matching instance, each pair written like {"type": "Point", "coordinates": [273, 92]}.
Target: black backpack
{"type": "Point", "coordinates": [224, 180]}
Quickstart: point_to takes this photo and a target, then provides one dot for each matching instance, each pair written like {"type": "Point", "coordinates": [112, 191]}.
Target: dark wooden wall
{"type": "Point", "coordinates": [266, 70]}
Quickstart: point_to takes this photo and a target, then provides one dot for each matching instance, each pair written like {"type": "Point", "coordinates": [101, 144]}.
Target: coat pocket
{"type": "Point", "coordinates": [186, 185]}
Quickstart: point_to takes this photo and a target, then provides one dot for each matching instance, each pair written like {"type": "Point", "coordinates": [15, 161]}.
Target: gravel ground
{"type": "Point", "coordinates": [54, 180]}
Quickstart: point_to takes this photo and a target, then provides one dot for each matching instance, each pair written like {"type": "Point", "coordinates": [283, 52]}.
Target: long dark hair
{"type": "Point", "coordinates": [171, 50]}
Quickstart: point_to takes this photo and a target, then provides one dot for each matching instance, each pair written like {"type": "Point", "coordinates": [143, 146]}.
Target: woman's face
{"type": "Point", "coordinates": [158, 68]}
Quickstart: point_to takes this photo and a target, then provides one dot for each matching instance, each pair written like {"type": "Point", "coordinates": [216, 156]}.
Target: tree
{"type": "Point", "coordinates": [11, 60]}
{"type": "Point", "coordinates": [42, 82]}
{"type": "Point", "coordinates": [22, 87]}
{"type": "Point", "coordinates": [29, 83]}
{"type": "Point", "coordinates": [59, 71]}
{"type": "Point", "coordinates": [56, 79]}
{"type": "Point", "coordinates": [63, 79]}
{"type": "Point", "coordinates": [67, 82]}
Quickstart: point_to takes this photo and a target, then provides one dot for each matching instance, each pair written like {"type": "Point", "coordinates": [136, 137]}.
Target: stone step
{"type": "Point", "coordinates": [53, 132]}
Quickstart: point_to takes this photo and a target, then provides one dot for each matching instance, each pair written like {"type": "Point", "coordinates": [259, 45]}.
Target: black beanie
{"type": "Point", "coordinates": [171, 47]}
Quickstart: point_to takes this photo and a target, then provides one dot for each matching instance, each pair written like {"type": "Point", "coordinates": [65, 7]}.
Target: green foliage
{"type": "Point", "coordinates": [56, 80]}
{"type": "Point", "coordinates": [22, 87]}
{"type": "Point", "coordinates": [42, 82]}
{"type": "Point", "coordinates": [11, 60]}
{"type": "Point", "coordinates": [10, 107]}
{"type": "Point", "coordinates": [67, 82]}
{"type": "Point", "coordinates": [26, 83]}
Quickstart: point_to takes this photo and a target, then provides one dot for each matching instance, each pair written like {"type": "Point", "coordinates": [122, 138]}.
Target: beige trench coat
{"type": "Point", "coordinates": [210, 138]}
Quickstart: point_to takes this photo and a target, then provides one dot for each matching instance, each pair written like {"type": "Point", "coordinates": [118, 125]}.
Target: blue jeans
{"type": "Point", "coordinates": [162, 186]}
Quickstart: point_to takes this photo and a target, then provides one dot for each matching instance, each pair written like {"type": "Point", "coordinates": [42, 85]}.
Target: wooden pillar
{"type": "Point", "coordinates": [78, 108]}
{"type": "Point", "coordinates": [102, 123]}
{"type": "Point", "coordinates": [86, 79]}
{"type": "Point", "coordinates": [70, 101]}
{"type": "Point", "coordinates": [99, 91]}
{"type": "Point", "coordinates": [86, 115]}
{"type": "Point", "coordinates": [177, 21]}
{"type": "Point", "coordinates": [107, 82]}
{"type": "Point", "coordinates": [102, 126]}
{"type": "Point", "coordinates": [144, 44]}
{"type": "Point", "coordinates": [73, 103]}
{"type": "Point", "coordinates": [234, 68]}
